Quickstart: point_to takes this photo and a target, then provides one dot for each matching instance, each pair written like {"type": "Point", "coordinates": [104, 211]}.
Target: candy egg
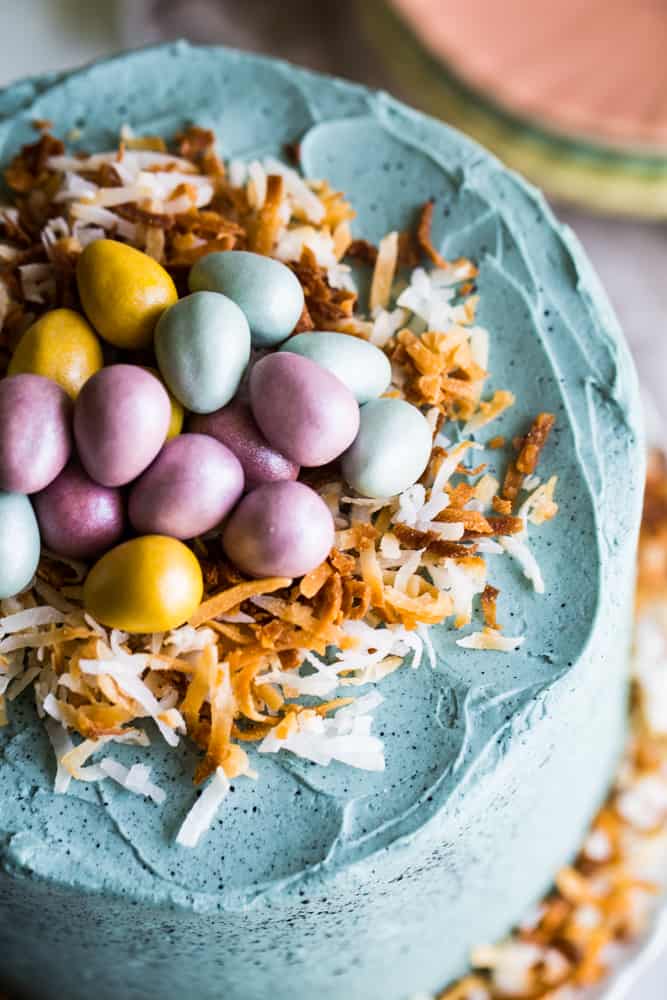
{"type": "Point", "coordinates": [19, 543]}
{"type": "Point", "coordinates": [35, 432]}
{"type": "Point", "coordinates": [123, 292]}
{"type": "Point", "coordinates": [235, 427]}
{"type": "Point", "coordinates": [202, 345]}
{"type": "Point", "coordinates": [302, 409]}
{"type": "Point", "coordinates": [266, 290]}
{"type": "Point", "coordinates": [361, 366]}
{"type": "Point", "coordinates": [390, 451]}
{"type": "Point", "coordinates": [192, 484]}
{"type": "Point", "coordinates": [149, 584]}
{"type": "Point", "coordinates": [177, 411]}
{"type": "Point", "coordinates": [78, 517]}
{"type": "Point", "coordinates": [279, 529]}
{"type": "Point", "coordinates": [121, 419]}
{"type": "Point", "coordinates": [61, 346]}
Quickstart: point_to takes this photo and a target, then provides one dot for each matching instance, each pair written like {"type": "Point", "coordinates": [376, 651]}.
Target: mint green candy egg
{"type": "Point", "coordinates": [391, 450]}
{"type": "Point", "coordinates": [202, 346]}
{"type": "Point", "coordinates": [361, 366]}
{"type": "Point", "coordinates": [19, 543]}
{"type": "Point", "coordinates": [266, 290]}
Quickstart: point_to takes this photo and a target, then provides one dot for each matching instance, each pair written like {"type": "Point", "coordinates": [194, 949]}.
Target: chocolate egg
{"type": "Point", "coordinates": [123, 292]}
{"type": "Point", "coordinates": [202, 345]}
{"type": "Point", "coordinates": [391, 450]}
{"type": "Point", "coordinates": [235, 427]}
{"type": "Point", "coordinates": [77, 517]}
{"type": "Point", "coordinates": [62, 346]}
{"type": "Point", "coordinates": [266, 290]}
{"type": "Point", "coordinates": [19, 543]}
{"type": "Point", "coordinates": [35, 432]}
{"type": "Point", "coordinates": [149, 584]}
{"type": "Point", "coordinates": [279, 529]}
{"type": "Point", "coordinates": [360, 365]}
{"type": "Point", "coordinates": [121, 420]}
{"type": "Point", "coordinates": [302, 409]}
{"type": "Point", "coordinates": [192, 484]}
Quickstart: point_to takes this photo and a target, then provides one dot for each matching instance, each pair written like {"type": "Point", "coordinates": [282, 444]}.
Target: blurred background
{"type": "Point", "coordinates": [572, 94]}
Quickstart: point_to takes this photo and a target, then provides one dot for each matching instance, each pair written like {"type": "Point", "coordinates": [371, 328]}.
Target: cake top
{"type": "Point", "coordinates": [541, 317]}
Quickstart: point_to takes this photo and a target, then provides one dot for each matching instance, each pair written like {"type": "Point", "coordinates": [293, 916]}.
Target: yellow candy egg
{"type": "Point", "coordinates": [177, 411]}
{"type": "Point", "coordinates": [149, 584]}
{"type": "Point", "coordinates": [61, 346]}
{"type": "Point", "coordinates": [123, 292]}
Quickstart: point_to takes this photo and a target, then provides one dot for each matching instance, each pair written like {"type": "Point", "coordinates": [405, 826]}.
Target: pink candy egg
{"type": "Point", "coordinates": [78, 517]}
{"type": "Point", "coordinates": [190, 487]}
{"type": "Point", "coordinates": [121, 420]}
{"type": "Point", "coordinates": [303, 410]}
{"type": "Point", "coordinates": [35, 432]}
{"type": "Point", "coordinates": [279, 529]}
{"type": "Point", "coordinates": [235, 427]}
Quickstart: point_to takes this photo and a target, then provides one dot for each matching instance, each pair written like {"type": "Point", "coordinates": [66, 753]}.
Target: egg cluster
{"type": "Point", "coordinates": [101, 451]}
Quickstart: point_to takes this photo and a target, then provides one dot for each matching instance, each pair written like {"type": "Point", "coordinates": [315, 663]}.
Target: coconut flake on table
{"type": "Point", "coordinates": [345, 737]}
{"type": "Point", "coordinates": [203, 812]}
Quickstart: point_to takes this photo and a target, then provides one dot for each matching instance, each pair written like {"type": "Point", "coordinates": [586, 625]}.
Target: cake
{"type": "Point", "coordinates": [575, 137]}
{"type": "Point", "coordinates": [482, 772]}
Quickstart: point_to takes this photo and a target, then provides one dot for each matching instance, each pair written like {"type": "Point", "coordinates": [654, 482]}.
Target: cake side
{"type": "Point", "coordinates": [468, 806]}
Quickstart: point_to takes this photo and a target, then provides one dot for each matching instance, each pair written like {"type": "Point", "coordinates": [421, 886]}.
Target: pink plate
{"type": "Point", "coordinates": [590, 69]}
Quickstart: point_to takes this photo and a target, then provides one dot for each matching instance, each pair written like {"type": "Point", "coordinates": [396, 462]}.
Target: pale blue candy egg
{"type": "Point", "coordinates": [267, 291]}
{"type": "Point", "coordinates": [19, 543]}
{"type": "Point", "coordinates": [391, 450]}
{"type": "Point", "coordinates": [361, 366]}
{"type": "Point", "coordinates": [202, 346]}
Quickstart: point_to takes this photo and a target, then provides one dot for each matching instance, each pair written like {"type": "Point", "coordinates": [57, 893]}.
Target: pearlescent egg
{"type": "Point", "coordinates": [235, 427]}
{"type": "Point", "coordinates": [35, 432]}
{"type": "Point", "coordinates": [123, 292]}
{"type": "Point", "coordinates": [266, 290]}
{"type": "Point", "coordinates": [77, 517]}
{"type": "Point", "coordinates": [302, 409]}
{"type": "Point", "coordinates": [61, 346]}
{"type": "Point", "coordinates": [279, 529]}
{"type": "Point", "coordinates": [190, 487]}
{"type": "Point", "coordinates": [360, 365]}
{"type": "Point", "coordinates": [121, 420]}
{"type": "Point", "coordinates": [390, 451]}
{"type": "Point", "coordinates": [149, 584]}
{"type": "Point", "coordinates": [202, 345]}
{"type": "Point", "coordinates": [19, 543]}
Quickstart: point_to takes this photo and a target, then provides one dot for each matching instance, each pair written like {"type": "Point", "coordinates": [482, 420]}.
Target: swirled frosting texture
{"type": "Point", "coordinates": [332, 882]}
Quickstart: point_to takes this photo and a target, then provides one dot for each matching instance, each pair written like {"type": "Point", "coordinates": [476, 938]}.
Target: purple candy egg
{"type": "Point", "coordinates": [190, 487]}
{"type": "Point", "coordinates": [235, 427]}
{"type": "Point", "coordinates": [78, 517]}
{"type": "Point", "coordinates": [121, 420]}
{"type": "Point", "coordinates": [303, 410]}
{"type": "Point", "coordinates": [279, 529]}
{"type": "Point", "coordinates": [35, 432]}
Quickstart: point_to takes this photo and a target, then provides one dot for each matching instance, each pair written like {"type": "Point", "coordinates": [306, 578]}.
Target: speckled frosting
{"type": "Point", "coordinates": [331, 882]}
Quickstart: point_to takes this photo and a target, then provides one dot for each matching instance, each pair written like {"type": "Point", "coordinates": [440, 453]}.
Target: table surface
{"type": "Point", "coordinates": [631, 258]}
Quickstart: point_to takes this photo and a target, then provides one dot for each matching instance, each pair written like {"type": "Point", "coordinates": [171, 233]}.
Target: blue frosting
{"type": "Point", "coordinates": [328, 881]}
